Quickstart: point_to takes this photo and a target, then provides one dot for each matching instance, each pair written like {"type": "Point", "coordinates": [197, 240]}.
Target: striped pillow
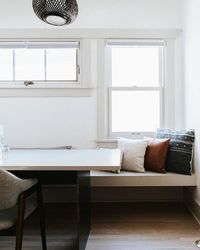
{"type": "Point", "coordinates": [179, 159]}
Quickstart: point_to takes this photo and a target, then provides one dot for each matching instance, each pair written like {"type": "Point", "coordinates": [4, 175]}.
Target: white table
{"type": "Point", "coordinates": [67, 160]}
{"type": "Point", "coordinates": [64, 167]}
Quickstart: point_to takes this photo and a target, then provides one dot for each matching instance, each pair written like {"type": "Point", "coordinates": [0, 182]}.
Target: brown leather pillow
{"type": "Point", "coordinates": [156, 156]}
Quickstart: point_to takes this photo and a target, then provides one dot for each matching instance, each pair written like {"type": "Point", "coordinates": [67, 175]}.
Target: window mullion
{"type": "Point", "coordinates": [13, 64]}
{"type": "Point", "coordinates": [45, 64]}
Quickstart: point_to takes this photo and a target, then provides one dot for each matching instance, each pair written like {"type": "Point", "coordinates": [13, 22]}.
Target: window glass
{"type": "Point", "coordinates": [135, 111]}
{"type": "Point", "coordinates": [135, 66]}
{"type": "Point", "coordinates": [6, 64]}
{"type": "Point", "coordinates": [61, 64]}
{"type": "Point", "coordinates": [29, 64]}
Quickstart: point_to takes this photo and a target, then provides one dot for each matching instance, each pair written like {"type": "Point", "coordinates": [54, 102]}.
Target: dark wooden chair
{"type": "Point", "coordinates": [18, 200]}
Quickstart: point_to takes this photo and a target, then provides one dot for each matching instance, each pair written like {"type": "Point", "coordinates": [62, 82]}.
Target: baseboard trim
{"type": "Point", "coordinates": [192, 205]}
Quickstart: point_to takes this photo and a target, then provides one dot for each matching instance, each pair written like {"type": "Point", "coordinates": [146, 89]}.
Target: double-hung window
{"type": "Point", "coordinates": [39, 62]}
{"type": "Point", "coordinates": [135, 78]}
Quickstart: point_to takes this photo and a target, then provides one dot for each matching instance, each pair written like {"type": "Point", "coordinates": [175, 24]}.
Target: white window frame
{"type": "Point", "coordinates": [136, 42]}
{"type": "Point", "coordinates": [44, 83]}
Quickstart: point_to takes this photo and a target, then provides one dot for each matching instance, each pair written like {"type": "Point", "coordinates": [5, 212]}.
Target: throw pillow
{"type": "Point", "coordinates": [179, 159]}
{"type": "Point", "coordinates": [156, 155]}
{"type": "Point", "coordinates": [133, 154]}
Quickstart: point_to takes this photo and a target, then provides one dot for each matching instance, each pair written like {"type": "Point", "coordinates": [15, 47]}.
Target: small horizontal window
{"type": "Point", "coordinates": [39, 62]}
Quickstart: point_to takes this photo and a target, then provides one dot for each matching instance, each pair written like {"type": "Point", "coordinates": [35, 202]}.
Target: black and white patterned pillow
{"type": "Point", "coordinates": [180, 151]}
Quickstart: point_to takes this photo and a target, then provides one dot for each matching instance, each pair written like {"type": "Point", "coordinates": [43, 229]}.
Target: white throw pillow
{"type": "Point", "coordinates": [133, 154]}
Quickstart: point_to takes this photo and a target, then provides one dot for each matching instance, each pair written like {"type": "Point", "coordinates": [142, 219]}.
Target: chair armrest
{"type": "Point", "coordinates": [25, 194]}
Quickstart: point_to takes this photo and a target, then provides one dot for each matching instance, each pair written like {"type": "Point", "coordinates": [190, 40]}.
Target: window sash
{"type": "Point", "coordinates": [135, 43]}
{"type": "Point", "coordinates": [134, 134]}
{"type": "Point", "coordinates": [126, 43]}
{"type": "Point", "coordinates": [42, 45]}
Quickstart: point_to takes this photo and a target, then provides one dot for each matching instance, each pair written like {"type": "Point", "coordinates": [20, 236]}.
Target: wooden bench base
{"type": "Point", "coordinates": [147, 179]}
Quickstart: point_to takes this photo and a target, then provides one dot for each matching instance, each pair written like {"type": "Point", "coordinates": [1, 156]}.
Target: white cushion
{"type": "Point", "coordinates": [133, 154]}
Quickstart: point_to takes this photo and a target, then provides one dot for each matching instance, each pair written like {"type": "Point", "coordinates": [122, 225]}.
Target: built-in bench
{"type": "Point", "coordinates": [133, 179]}
{"type": "Point", "coordinates": [147, 179]}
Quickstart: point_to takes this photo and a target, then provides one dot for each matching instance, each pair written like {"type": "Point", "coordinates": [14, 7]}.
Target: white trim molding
{"type": "Point", "coordinates": [192, 204]}
{"type": "Point", "coordinates": [89, 33]}
{"type": "Point", "coordinates": [45, 92]}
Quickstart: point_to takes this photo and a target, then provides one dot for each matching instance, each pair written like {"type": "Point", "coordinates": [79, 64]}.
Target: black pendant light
{"type": "Point", "coordinates": [56, 12]}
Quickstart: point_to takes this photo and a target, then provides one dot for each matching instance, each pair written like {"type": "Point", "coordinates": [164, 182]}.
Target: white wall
{"type": "Point", "coordinates": [191, 26]}
{"type": "Point", "coordinates": [43, 122]}
{"type": "Point", "coordinates": [100, 14]}
{"type": "Point", "coordinates": [57, 121]}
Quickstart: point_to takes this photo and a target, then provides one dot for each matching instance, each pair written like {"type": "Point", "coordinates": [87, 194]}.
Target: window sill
{"type": "Point", "coordinates": [106, 140]}
{"type": "Point", "coordinates": [45, 91]}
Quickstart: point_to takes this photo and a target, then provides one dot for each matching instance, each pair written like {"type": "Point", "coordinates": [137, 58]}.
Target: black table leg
{"type": "Point", "coordinates": [83, 208]}
{"type": "Point", "coordinates": [79, 178]}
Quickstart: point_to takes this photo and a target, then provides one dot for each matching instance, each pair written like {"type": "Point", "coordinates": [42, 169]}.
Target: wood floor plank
{"type": "Point", "coordinates": [138, 226]}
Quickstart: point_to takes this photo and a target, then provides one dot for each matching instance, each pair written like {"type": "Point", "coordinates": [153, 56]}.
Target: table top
{"type": "Point", "coordinates": [61, 160]}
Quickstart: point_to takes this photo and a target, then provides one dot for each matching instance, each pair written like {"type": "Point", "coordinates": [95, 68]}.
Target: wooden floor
{"type": "Point", "coordinates": [124, 226]}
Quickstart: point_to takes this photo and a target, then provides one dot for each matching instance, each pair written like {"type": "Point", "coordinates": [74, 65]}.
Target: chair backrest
{"type": "Point", "coordinates": [10, 188]}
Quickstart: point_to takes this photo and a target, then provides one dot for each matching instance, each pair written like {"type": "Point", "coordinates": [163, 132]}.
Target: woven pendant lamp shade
{"type": "Point", "coordinates": [56, 12]}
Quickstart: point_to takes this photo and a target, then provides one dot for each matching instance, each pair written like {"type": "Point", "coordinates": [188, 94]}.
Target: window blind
{"type": "Point", "coordinates": [39, 45]}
